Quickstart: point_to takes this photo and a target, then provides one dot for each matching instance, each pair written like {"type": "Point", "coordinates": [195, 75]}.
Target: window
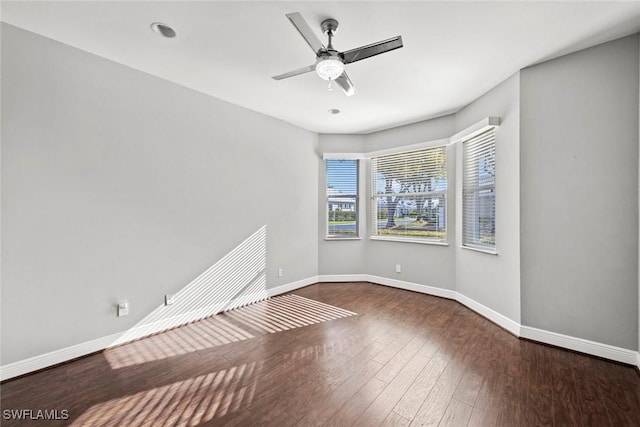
{"type": "Point", "coordinates": [342, 198]}
{"type": "Point", "coordinates": [479, 192]}
{"type": "Point", "coordinates": [409, 199]}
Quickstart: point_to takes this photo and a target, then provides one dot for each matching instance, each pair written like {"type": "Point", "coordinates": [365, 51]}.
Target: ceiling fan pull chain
{"type": "Point", "coordinates": [330, 87]}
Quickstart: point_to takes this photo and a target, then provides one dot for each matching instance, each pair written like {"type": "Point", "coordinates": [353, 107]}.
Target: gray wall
{"type": "Point", "coordinates": [494, 280]}
{"type": "Point", "coordinates": [117, 184]}
{"type": "Point", "coordinates": [579, 194]}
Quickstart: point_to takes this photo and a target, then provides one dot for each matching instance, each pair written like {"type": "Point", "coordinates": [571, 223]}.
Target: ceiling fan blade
{"type": "Point", "coordinates": [306, 32]}
{"type": "Point", "coordinates": [345, 84]}
{"type": "Point", "coordinates": [372, 49]}
{"type": "Point", "coordinates": [295, 72]}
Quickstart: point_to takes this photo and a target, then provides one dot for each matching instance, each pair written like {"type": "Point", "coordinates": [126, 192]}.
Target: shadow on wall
{"type": "Point", "coordinates": [239, 278]}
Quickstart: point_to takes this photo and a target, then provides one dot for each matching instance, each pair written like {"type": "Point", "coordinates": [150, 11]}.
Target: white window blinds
{"type": "Point", "coordinates": [479, 191]}
{"type": "Point", "coordinates": [409, 198]}
{"type": "Point", "coordinates": [342, 197]}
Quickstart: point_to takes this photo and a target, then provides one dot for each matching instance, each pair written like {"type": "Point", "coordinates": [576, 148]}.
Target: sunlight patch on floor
{"type": "Point", "coordinates": [286, 312]}
{"type": "Point", "coordinates": [207, 333]}
{"type": "Point", "coordinates": [277, 314]}
{"type": "Point", "coordinates": [184, 403]}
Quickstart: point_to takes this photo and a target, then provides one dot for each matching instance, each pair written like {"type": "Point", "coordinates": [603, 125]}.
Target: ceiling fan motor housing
{"type": "Point", "coordinates": [329, 25]}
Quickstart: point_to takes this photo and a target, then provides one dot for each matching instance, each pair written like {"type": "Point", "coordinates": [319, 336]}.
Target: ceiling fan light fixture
{"type": "Point", "coordinates": [329, 68]}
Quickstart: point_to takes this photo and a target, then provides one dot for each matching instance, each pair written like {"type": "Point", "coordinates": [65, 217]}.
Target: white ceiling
{"type": "Point", "coordinates": [453, 51]}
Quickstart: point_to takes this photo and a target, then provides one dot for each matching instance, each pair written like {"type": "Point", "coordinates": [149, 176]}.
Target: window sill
{"type": "Point", "coordinates": [331, 239]}
{"type": "Point", "coordinates": [484, 251]}
{"type": "Point", "coordinates": [409, 240]}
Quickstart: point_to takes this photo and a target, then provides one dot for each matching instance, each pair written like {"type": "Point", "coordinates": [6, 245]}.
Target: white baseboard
{"type": "Point", "coordinates": [497, 318]}
{"type": "Point", "coordinates": [324, 278]}
{"type": "Point", "coordinates": [288, 287]}
{"type": "Point", "coordinates": [65, 354]}
{"type": "Point", "coordinates": [400, 284]}
{"type": "Point", "coordinates": [572, 343]}
{"type": "Point", "coordinates": [55, 357]}
{"type": "Point", "coordinates": [578, 344]}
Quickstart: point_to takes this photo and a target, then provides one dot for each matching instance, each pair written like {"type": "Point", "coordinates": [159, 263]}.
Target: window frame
{"type": "Point", "coordinates": [358, 160]}
{"type": "Point", "coordinates": [373, 208]}
{"type": "Point", "coordinates": [467, 135]}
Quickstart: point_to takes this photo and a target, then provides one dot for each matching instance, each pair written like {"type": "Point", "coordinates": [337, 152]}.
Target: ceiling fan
{"type": "Point", "coordinates": [330, 63]}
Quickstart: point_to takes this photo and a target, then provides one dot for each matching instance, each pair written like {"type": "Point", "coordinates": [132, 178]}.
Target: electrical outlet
{"type": "Point", "coordinates": [398, 268]}
{"type": "Point", "coordinates": [280, 272]}
{"type": "Point", "coordinates": [123, 308]}
{"type": "Point", "coordinates": [169, 299]}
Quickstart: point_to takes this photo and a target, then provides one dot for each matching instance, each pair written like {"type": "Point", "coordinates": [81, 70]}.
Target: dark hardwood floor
{"type": "Point", "coordinates": [404, 359]}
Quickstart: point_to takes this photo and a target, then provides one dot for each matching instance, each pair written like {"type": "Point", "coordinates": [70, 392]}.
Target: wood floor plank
{"type": "Point", "coordinates": [326, 406]}
{"type": "Point", "coordinates": [354, 407]}
{"type": "Point", "coordinates": [469, 387]}
{"type": "Point", "coordinates": [412, 400]}
{"type": "Point", "coordinates": [389, 397]}
{"type": "Point", "coordinates": [566, 407]}
{"type": "Point", "coordinates": [404, 359]}
{"type": "Point", "coordinates": [435, 405]}
{"type": "Point", "coordinates": [400, 359]}
{"type": "Point", "coordinates": [395, 420]}
{"type": "Point", "coordinates": [593, 411]}
{"type": "Point", "coordinates": [540, 401]}
{"type": "Point", "coordinates": [487, 406]}
{"type": "Point", "coordinates": [457, 414]}
{"type": "Point", "coordinates": [619, 396]}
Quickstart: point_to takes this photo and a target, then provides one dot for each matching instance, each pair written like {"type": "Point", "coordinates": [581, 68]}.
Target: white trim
{"type": "Point", "coordinates": [55, 357]}
{"type": "Point", "coordinates": [390, 238]}
{"type": "Point", "coordinates": [484, 251]}
{"type": "Point", "coordinates": [332, 239]}
{"type": "Point", "coordinates": [497, 318]}
{"type": "Point", "coordinates": [405, 148]}
{"type": "Point", "coordinates": [475, 129]}
{"type": "Point", "coordinates": [400, 284]}
{"type": "Point", "coordinates": [578, 344]}
{"type": "Point", "coordinates": [393, 150]}
{"type": "Point", "coordinates": [638, 361]}
{"type": "Point", "coordinates": [416, 287]}
{"type": "Point", "coordinates": [292, 286]}
{"type": "Point", "coordinates": [62, 355]}
{"type": "Point", "coordinates": [330, 278]}
{"type": "Point", "coordinates": [342, 156]}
